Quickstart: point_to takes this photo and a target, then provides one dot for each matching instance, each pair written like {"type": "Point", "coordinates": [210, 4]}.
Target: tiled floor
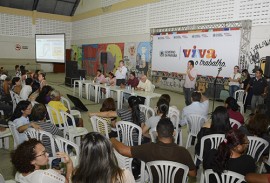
{"type": "Point", "coordinates": [57, 81]}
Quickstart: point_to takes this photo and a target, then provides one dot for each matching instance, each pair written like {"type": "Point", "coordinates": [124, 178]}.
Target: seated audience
{"type": "Point", "coordinates": [258, 126]}
{"type": "Point", "coordinates": [26, 89]}
{"type": "Point", "coordinates": [199, 105]}
{"type": "Point", "coordinates": [21, 120]}
{"type": "Point", "coordinates": [23, 76]}
{"type": "Point", "coordinates": [5, 94]}
{"type": "Point", "coordinates": [59, 106]}
{"type": "Point", "coordinates": [232, 107]}
{"type": "Point", "coordinates": [109, 105]}
{"type": "Point", "coordinates": [100, 78]}
{"type": "Point", "coordinates": [230, 155]}
{"type": "Point", "coordinates": [16, 85]}
{"type": "Point", "coordinates": [144, 84]}
{"type": "Point", "coordinates": [97, 162]}
{"type": "Point", "coordinates": [29, 158]}
{"type": "Point", "coordinates": [42, 79]}
{"type": "Point", "coordinates": [44, 95]}
{"type": "Point", "coordinates": [133, 80]}
{"type": "Point", "coordinates": [38, 115]}
{"type": "Point", "coordinates": [35, 92]}
{"type": "Point", "coordinates": [151, 123]}
{"type": "Point", "coordinates": [167, 97]}
{"type": "Point", "coordinates": [219, 124]}
{"type": "Point", "coordinates": [132, 114]}
{"type": "Point", "coordinates": [17, 71]}
{"type": "Point", "coordinates": [164, 149]}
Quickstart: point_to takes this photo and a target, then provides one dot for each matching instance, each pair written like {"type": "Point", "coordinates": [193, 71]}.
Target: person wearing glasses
{"type": "Point", "coordinates": [234, 79]}
{"type": "Point", "coordinates": [28, 159]}
{"type": "Point", "coordinates": [230, 155]}
{"type": "Point", "coordinates": [21, 120]}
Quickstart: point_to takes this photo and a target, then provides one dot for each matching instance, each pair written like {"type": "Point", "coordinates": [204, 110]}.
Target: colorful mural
{"type": "Point", "coordinates": [76, 54]}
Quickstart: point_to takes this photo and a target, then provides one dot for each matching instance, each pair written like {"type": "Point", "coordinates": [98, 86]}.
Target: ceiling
{"type": "Point", "coordinates": [59, 7]}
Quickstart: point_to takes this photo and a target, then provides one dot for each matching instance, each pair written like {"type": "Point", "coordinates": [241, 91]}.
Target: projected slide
{"type": "Point", "coordinates": [50, 48]}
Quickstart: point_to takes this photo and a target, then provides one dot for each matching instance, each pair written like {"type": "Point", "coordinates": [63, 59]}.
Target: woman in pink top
{"type": "Point", "coordinates": [112, 79]}
{"type": "Point", "coordinates": [100, 78]}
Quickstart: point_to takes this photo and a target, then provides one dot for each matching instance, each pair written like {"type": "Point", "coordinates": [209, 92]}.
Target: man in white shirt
{"type": "Point", "coordinates": [234, 81]}
{"type": "Point", "coordinates": [26, 89]}
{"type": "Point", "coordinates": [144, 84]}
{"type": "Point", "coordinates": [190, 82]}
{"type": "Point", "coordinates": [121, 74]}
{"type": "Point", "coordinates": [199, 105]}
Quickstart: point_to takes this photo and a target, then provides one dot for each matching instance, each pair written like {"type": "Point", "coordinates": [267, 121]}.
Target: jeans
{"type": "Point", "coordinates": [187, 94]}
{"type": "Point", "coordinates": [232, 89]}
{"type": "Point", "coordinates": [256, 100]}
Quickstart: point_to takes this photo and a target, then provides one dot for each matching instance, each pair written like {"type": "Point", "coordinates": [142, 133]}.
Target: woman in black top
{"type": "Point", "coordinates": [245, 80]}
{"type": "Point", "coordinates": [230, 155]}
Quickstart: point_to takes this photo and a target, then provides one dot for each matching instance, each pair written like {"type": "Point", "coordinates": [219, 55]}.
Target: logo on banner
{"type": "Point", "coordinates": [218, 35]}
{"type": "Point", "coordinates": [196, 36]}
{"type": "Point", "coordinates": [168, 53]}
{"type": "Point", "coordinates": [207, 56]}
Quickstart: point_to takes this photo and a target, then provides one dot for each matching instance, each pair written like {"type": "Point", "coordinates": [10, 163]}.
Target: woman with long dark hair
{"type": "Point", "coordinates": [97, 162]}
{"type": "Point", "coordinates": [162, 111]}
{"type": "Point", "coordinates": [21, 120]}
{"type": "Point", "coordinates": [230, 155]}
{"type": "Point", "coordinates": [220, 124]}
{"type": "Point", "coordinates": [232, 107]}
{"type": "Point", "coordinates": [44, 95]}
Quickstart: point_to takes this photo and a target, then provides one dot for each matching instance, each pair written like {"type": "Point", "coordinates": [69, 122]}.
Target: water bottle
{"type": "Point", "coordinates": [80, 77]}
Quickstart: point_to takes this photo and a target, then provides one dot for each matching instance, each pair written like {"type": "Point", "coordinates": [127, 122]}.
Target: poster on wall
{"type": "Point", "coordinates": [92, 57]}
{"type": "Point", "coordinates": [208, 50]}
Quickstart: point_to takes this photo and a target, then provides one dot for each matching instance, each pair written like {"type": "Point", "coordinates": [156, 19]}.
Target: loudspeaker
{"type": "Point", "coordinates": [71, 68]}
{"type": "Point", "coordinates": [103, 57]}
{"type": "Point", "coordinates": [267, 67]}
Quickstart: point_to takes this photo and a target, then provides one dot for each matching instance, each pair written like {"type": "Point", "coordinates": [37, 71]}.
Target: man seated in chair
{"type": "Point", "coordinates": [58, 105]}
{"type": "Point", "coordinates": [164, 149]}
{"type": "Point", "coordinates": [199, 105]}
{"type": "Point", "coordinates": [144, 84]}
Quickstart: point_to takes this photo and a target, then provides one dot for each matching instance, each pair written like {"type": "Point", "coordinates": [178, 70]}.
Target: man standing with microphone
{"type": "Point", "coordinates": [120, 74]}
{"type": "Point", "coordinates": [190, 82]}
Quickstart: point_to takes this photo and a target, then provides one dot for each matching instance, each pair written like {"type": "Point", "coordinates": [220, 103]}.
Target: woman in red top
{"type": "Point", "coordinates": [232, 107]}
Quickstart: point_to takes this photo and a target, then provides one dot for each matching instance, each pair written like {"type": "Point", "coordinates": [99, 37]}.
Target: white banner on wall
{"type": "Point", "coordinates": [208, 50]}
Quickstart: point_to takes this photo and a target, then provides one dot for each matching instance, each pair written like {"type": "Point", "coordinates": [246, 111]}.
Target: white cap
{"type": "Point", "coordinates": [3, 77]}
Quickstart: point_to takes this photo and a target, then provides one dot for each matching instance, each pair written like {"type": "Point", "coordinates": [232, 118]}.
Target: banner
{"type": "Point", "coordinates": [208, 50]}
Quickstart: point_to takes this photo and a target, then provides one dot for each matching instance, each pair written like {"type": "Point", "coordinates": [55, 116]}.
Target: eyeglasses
{"type": "Point", "coordinates": [43, 154]}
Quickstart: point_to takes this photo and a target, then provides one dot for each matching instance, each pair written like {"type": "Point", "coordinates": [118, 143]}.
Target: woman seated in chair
{"type": "Point", "coordinates": [58, 105]}
{"type": "Point", "coordinates": [219, 124]}
{"type": "Point", "coordinates": [16, 85]}
{"type": "Point", "coordinates": [28, 159]}
{"type": "Point", "coordinates": [21, 120]}
{"type": "Point", "coordinates": [112, 79]}
{"type": "Point", "coordinates": [151, 123]}
{"type": "Point", "coordinates": [44, 95]}
{"type": "Point", "coordinates": [232, 107]}
{"type": "Point", "coordinates": [230, 155]}
{"type": "Point", "coordinates": [38, 115]}
{"type": "Point", "coordinates": [109, 105]}
{"type": "Point", "coordinates": [132, 114]}
{"type": "Point", "coordinates": [97, 162]}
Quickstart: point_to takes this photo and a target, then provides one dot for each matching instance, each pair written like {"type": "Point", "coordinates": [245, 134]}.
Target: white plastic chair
{"type": "Point", "coordinates": [125, 132]}
{"type": "Point", "coordinates": [148, 111]}
{"type": "Point", "coordinates": [39, 135]}
{"type": "Point", "coordinates": [67, 104]}
{"type": "Point", "coordinates": [227, 176]}
{"type": "Point", "coordinates": [100, 125]}
{"type": "Point", "coordinates": [241, 96]}
{"type": "Point", "coordinates": [4, 137]}
{"type": "Point", "coordinates": [174, 115]}
{"type": "Point", "coordinates": [42, 135]}
{"type": "Point", "coordinates": [166, 171]}
{"type": "Point", "coordinates": [126, 163]}
{"type": "Point", "coordinates": [153, 135]}
{"type": "Point", "coordinates": [51, 111]}
{"type": "Point", "coordinates": [214, 139]}
{"type": "Point", "coordinates": [15, 99]}
{"type": "Point", "coordinates": [194, 124]}
{"type": "Point", "coordinates": [14, 133]}
{"type": "Point", "coordinates": [256, 147]}
{"type": "Point", "coordinates": [153, 88]}
{"type": "Point", "coordinates": [74, 133]}
{"type": "Point", "coordinates": [234, 122]}
{"type": "Point", "coordinates": [65, 145]}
